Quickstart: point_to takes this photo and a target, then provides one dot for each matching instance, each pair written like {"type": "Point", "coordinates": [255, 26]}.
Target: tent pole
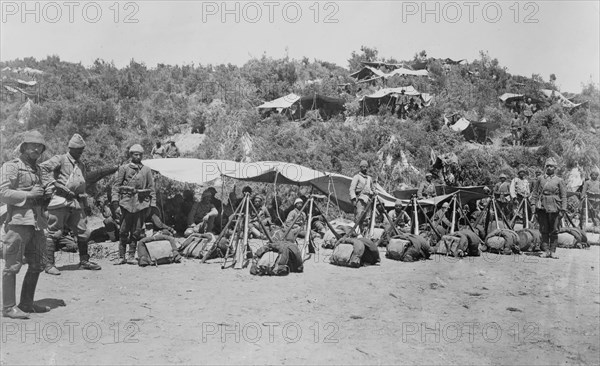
{"type": "Point", "coordinates": [525, 208]}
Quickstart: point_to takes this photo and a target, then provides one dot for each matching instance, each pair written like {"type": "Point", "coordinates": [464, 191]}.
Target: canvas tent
{"type": "Point", "coordinates": [473, 131]}
{"type": "Point", "coordinates": [444, 193]}
{"type": "Point", "coordinates": [295, 106]}
{"type": "Point", "coordinates": [203, 172]}
{"type": "Point", "coordinates": [371, 103]}
{"type": "Point", "coordinates": [369, 73]}
{"type": "Point", "coordinates": [557, 97]}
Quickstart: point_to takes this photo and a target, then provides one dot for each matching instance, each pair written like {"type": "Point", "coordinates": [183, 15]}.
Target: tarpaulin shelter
{"type": "Point", "coordinates": [369, 73]}
{"type": "Point", "coordinates": [474, 131]}
{"type": "Point", "coordinates": [444, 193]}
{"type": "Point", "coordinates": [196, 171]}
{"type": "Point", "coordinates": [557, 97]}
{"type": "Point", "coordinates": [371, 103]}
{"type": "Point", "coordinates": [295, 106]}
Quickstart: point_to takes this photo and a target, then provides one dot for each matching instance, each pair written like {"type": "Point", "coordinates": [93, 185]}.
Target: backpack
{"type": "Point", "coordinates": [529, 239]}
{"type": "Point", "coordinates": [354, 252]}
{"type": "Point", "coordinates": [158, 249]}
{"type": "Point", "coordinates": [408, 248]}
{"type": "Point", "coordinates": [503, 241]}
{"type": "Point", "coordinates": [278, 259]}
{"type": "Point", "coordinates": [570, 237]}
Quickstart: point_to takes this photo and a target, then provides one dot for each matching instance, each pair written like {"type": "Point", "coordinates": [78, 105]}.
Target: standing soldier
{"type": "Point", "coordinates": [22, 189]}
{"type": "Point", "coordinates": [67, 208]}
{"type": "Point", "coordinates": [427, 188]}
{"type": "Point", "coordinates": [591, 191]}
{"type": "Point", "coordinates": [361, 190]}
{"type": "Point", "coordinates": [549, 198]}
{"type": "Point", "coordinates": [502, 194]}
{"type": "Point", "coordinates": [135, 189]}
{"type": "Point", "coordinates": [519, 190]}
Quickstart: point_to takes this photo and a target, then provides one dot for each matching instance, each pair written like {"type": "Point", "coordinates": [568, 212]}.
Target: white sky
{"type": "Point", "coordinates": [543, 37]}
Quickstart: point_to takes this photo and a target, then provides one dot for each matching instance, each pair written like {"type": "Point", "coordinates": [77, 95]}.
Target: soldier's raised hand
{"type": "Point", "coordinates": [35, 192]}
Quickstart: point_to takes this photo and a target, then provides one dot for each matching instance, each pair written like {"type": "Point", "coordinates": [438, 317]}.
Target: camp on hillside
{"type": "Point", "coordinates": [295, 107]}
{"type": "Point", "coordinates": [387, 97]}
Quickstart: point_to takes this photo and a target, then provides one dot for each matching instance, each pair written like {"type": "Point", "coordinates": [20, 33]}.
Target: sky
{"type": "Point", "coordinates": [527, 37]}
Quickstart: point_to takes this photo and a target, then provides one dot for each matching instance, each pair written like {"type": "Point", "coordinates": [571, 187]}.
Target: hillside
{"type": "Point", "coordinates": [113, 108]}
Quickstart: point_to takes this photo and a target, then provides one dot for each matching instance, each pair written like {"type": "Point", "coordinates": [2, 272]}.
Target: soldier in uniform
{"type": "Point", "coordinates": [502, 194]}
{"type": "Point", "coordinates": [591, 191]}
{"type": "Point", "coordinates": [135, 191]}
{"type": "Point", "coordinates": [66, 210]}
{"type": "Point", "coordinates": [519, 190]}
{"type": "Point", "coordinates": [201, 218]}
{"type": "Point", "coordinates": [427, 188]}
{"type": "Point", "coordinates": [26, 196]}
{"type": "Point", "coordinates": [439, 217]}
{"type": "Point", "coordinates": [399, 216]}
{"type": "Point", "coordinates": [361, 190]}
{"type": "Point", "coordinates": [549, 199]}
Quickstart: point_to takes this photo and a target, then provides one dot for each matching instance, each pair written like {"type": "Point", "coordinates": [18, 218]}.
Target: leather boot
{"type": "Point", "coordinates": [84, 257]}
{"type": "Point", "coordinates": [28, 292]}
{"type": "Point", "coordinates": [122, 248]}
{"type": "Point", "coordinates": [49, 262]}
{"type": "Point", "coordinates": [553, 245]}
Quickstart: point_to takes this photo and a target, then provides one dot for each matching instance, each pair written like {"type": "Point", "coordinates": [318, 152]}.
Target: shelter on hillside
{"type": "Point", "coordinates": [295, 107]}
{"type": "Point", "coordinates": [473, 131]}
{"type": "Point", "coordinates": [369, 73]}
{"type": "Point", "coordinates": [387, 97]}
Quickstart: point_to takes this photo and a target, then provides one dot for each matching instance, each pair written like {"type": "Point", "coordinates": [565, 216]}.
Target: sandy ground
{"type": "Point", "coordinates": [487, 310]}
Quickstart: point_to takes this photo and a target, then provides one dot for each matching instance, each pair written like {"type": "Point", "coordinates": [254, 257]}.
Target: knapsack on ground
{"type": "Point", "coordinates": [408, 248]}
{"type": "Point", "coordinates": [503, 241]}
{"type": "Point", "coordinates": [354, 252]}
{"type": "Point", "coordinates": [570, 237]}
{"type": "Point", "coordinates": [277, 259]}
{"type": "Point", "coordinates": [198, 245]}
{"type": "Point", "coordinates": [158, 249]}
{"type": "Point", "coordinates": [529, 240]}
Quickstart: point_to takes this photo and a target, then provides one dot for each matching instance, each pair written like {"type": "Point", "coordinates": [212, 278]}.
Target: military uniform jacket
{"type": "Point", "coordinates": [65, 170]}
{"type": "Point", "coordinates": [591, 188]}
{"type": "Point", "coordinates": [426, 190]}
{"type": "Point", "coordinates": [550, 194]}
{"type": "Point", "coordinates": [16, 178]}
{"type": "Point", "coordinates": [292, 216]}
{"type": "Point", "coordinates": [134, 177]}
{"type": "Point", "coordinates": [519, 187]}
{"type": "Point", "coordinates": [361, 187]}
{"type": "Point", "coordinates": [501, 191]}
{"type": "Point", "coordinates": [404, 217]}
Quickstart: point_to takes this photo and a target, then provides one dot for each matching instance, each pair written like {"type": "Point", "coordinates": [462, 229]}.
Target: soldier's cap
{"type": "Point", "coordinates": [551, 161]}
{"type": "Point", "coordinates": [213, 190]}
{"type": "Point", "coordinates": [137, 148]}
{"type": "Point", "coordinates": [522, 169]}
{"type": "Point", "coordinates": [76, 142]}
{"type": "Point", "coordinates": [428, 174]}
{"type": "Point", "coordinates": [596, 171]}
{"type": "Point", "coordinates": [32, 137]}
{"type": "Point", "coordinates": [398, 203]}
{"type": "Point", "coordinates": [445, 205]}
{"type": "Point", "coordinates": [364, 163]}
{"type": "Point", "coordinates": [247, 189]}
{"type": "Point", "coordinates": [502, 176]}
{"type": "Point", "coordinates": [298, 200]}
{"type": "Point", "coordinates": [259, 197]}
{"type": "Point", "coordinates": [206, 193]}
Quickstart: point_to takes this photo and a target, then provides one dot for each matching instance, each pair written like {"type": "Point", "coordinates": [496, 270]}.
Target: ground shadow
{"type": "Point", "coordinates": [69, 267]}
{"type": "Point", "coordinates": [51, 303]}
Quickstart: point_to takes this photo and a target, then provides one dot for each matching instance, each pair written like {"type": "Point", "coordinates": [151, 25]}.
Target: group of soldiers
{"type": "Point", "coordinates": [169, 151]}
{"type": "Point", "coordinates": [522, 114]}
{"type": "Point", "coordinates": [545, 197]}
{"type": "Point", "coordinates": [45, 199]}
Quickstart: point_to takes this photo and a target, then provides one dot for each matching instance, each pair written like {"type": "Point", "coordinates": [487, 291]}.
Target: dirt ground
{"type": "Point", "coordinates": [486, 310]}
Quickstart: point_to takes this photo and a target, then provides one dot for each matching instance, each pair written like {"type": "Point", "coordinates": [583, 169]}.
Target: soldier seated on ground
{"type": "Point", "coordinates": [262, 216]}
{"type": "Point", "coordinates": [400, 217]}
{"type": "Point", "coordinates": [202, 216]}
